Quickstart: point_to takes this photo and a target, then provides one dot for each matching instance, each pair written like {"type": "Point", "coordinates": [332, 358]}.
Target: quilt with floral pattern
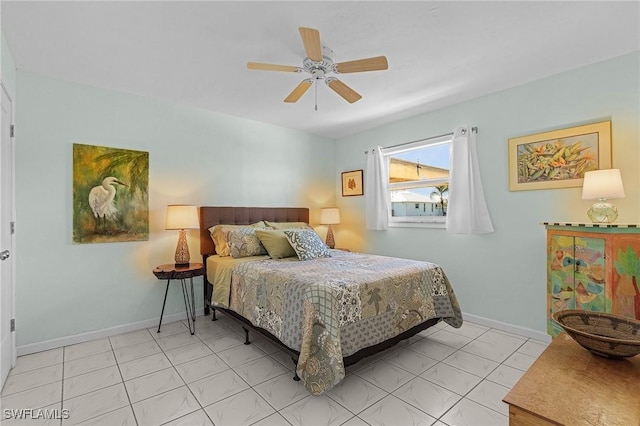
{"type": "Point", "coordinates": [329, 308]}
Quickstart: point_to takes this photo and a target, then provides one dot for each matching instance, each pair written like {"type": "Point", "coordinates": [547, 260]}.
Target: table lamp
{"type": "Point", "coordinates": [330, 216]}
{"type": "Point", "coordinates": [601, 185]}
{"type": "Point", "coordinates": [182, 217]}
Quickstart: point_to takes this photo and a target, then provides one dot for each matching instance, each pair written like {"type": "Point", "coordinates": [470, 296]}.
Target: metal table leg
{"type": "Point", "coordinates": [164, 303]}
{"type": "Point", "coordinates": [193, 304]}
{"type": "Point", "coordinates": [188, 306]}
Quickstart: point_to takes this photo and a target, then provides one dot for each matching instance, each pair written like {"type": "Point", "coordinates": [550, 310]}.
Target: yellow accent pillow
{"type": "Point", "coordinates": [276, 243]}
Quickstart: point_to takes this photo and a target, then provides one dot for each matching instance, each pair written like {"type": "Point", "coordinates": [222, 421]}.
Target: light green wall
{"type": "Point", "coordinates": [7, 68]}
{"type": "Point", "coordinates": [196, 157]}
{"type": "Point", "coordinates": [201, 157]}
{"type": "Point", "coordinates": [502, 276]}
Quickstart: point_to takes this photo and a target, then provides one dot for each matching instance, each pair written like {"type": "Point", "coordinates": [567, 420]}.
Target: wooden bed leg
{"type": "Point", "coordinates": [213, 314]}
{"type": "Point", "coordinates": [295, 371]}
{"type": "Point", "coordinates": [246, 336]}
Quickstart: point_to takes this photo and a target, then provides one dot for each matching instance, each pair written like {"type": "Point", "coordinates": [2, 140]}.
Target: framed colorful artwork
{"type": "Point", "coordinates": [559, 158]}
{"type": "Point", "coordinates": [352, 183]}
{"type": "Point", "coordinates": [110, 194]}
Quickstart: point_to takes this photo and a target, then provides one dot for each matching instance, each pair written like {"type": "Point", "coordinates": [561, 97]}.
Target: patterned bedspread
{"type": "Point", "coordinates": [330, 308]}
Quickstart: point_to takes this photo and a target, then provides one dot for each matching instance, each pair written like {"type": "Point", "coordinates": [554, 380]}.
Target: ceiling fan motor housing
{"type": "Point", "coordinates": [320, 69]}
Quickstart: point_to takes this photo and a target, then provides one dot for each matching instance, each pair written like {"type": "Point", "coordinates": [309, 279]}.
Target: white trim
{"type": "Point", "coordinates": [409, 146]}
{"type": "Point", "coordinates": [422, 183]}
{"type": "Point", "coordinates": [425, 224]}
{"type": "Point", "coordinates": [12, 248]}
{"type": "Point", "coordinates": [98, 334]}
{"type": "Point", "coordinates": [509, 328]}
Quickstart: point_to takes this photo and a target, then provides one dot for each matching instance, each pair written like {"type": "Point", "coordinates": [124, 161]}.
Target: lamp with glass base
{"type": "Point", "coordinates": [330, 216]}
{"type": "Point", "coordinates": [602, 185]}
{"type": "Point", "coordinates": [182, 217]}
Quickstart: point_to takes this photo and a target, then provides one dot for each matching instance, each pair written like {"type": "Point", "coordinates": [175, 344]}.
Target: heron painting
{"type": "Point", "coordinates": [110, 194]}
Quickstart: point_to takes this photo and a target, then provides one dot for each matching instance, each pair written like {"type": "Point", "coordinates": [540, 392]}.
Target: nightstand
{"type": "Point", "coordinates": [171, 272]}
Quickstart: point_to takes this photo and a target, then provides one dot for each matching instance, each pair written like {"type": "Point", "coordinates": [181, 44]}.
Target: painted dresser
{"type": "Point", "coordinates": [593, 267]}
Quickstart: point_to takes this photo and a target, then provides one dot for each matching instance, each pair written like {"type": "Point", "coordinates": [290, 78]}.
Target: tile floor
{"type": "Point", "coordinates": [443, 376]}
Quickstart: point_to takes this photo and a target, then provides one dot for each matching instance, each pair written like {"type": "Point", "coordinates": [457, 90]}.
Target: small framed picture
{"type": "Point", "coordinates": [352, 183]}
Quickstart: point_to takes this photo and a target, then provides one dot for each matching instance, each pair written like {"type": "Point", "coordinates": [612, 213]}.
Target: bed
{"type": "Point", "coordinates": [327, 312]}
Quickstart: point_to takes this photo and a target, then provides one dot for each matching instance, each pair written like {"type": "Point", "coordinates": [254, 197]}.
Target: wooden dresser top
{"type": "Point", "coordinates": [569, 385]}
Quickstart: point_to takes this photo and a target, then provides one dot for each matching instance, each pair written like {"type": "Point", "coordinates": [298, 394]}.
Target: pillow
{"type": "Point", "coordinates": [243, 242]}
{"type": "Point", "coordinates": [220, 240]}
{"type": "Point", "coordinates": [306, 243]}
{"type": "Point", "coordinates": [276, 243]}
{"type": "Point", "coordinates": [287, 225]}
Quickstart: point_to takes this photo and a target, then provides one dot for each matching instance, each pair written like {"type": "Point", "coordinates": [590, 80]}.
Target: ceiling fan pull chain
{"type": "Point", "coordinates": [316, 89]}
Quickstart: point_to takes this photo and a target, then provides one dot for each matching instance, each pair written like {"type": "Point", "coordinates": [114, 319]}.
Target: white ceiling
{"type": "Point", "coordinates": [195, 53]}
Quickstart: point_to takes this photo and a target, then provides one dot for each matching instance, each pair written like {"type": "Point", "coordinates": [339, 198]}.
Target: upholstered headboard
{"type": "Point", "coordinates": [210, 216]}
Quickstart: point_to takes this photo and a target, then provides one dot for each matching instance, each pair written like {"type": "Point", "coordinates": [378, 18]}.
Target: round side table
{"type": "Point", "coordinates": [172, 272]}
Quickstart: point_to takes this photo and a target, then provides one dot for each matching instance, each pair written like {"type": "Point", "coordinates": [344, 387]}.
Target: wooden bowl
{"type": "Point", "coordinates": [606, 335]}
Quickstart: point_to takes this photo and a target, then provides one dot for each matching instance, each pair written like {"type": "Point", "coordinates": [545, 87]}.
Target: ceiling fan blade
{"type": "Point", "coordinates": [343, 90]}
{"type": "Point", "coordinates": [369, 64]}
{"type": "Point", "coordinates": [271, 67]}
{"type": "Point", "coordinates": [311, 41]}
{"type": "Point", "coordinates": [298, 91]}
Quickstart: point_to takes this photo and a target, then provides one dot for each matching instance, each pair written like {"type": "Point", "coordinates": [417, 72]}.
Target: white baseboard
{"type": "Point", "coordinates": [125, 328]}
{"type": "Point", "coordinates": [509, 328]}
{"type": "Point", "coordinates": [99, 334]}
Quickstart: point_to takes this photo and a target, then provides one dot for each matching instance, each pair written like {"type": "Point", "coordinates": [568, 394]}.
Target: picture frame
{"type": "Point", "coordinates": [110, 194]}
{"type": "Point", "coordinates": [558, 158]}
{"type": "Point", "coordinates": [352, 183]}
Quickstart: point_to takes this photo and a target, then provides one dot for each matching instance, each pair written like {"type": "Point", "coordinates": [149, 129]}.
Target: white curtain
{"type": "Point", "coordinates": [376, 191]}
{"type": "Point", "coordinates": [467, 212]}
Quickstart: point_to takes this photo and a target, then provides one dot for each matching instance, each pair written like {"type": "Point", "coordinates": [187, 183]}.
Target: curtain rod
{"type": "Point", "coordinates": [473, 129]}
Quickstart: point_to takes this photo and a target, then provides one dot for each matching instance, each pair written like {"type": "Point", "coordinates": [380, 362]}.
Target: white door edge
{"type": "Point", "coordinates": [11, 200]}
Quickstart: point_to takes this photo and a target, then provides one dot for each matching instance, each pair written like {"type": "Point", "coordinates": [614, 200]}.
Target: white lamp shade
{"type": "Point", "coordinates": [180, 216]}
{"type": "Point", "coordinates": [602, 184]}
{"type": "Point", "coordinates": [329, 216]}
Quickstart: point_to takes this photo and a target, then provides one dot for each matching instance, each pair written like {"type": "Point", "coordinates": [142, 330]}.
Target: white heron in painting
{"type": "Point", "coordinates": [101, 200]}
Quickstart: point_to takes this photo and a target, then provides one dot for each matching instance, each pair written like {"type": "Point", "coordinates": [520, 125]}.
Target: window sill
{"type": "Point", "coordinates": [437, 225]}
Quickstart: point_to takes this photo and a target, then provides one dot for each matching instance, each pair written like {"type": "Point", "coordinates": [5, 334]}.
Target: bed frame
{"type": "Point", "coordinates": [210, 216]}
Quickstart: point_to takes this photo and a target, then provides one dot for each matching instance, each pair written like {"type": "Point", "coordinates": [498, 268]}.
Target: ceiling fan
{"type": "Point", "coordinates": [321, 65]}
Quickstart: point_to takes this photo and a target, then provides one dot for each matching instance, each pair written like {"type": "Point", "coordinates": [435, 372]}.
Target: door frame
{"type": "Point", "coordinates": [12, 200]}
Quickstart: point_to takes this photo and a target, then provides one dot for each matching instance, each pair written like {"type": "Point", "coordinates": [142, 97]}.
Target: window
{"type": "Point", "coordinates": [419, 181]}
